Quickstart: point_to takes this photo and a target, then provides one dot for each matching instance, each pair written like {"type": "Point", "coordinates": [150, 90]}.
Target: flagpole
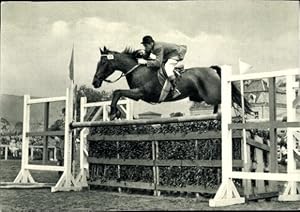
{"type": "Point", "coordinates": [243, 117]}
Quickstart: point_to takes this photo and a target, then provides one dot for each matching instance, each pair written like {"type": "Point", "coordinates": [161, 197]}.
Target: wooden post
{"type": "Point", "coordinates": [196, 158]}
{"type": "Point", "coordinates": [290, 193]}
{"type": "Point", "coordinates": [31, 153]}
{"type": "Point", "coordinates": [105, 113]}
{"type": "Point", "coordinates": [81, 178]}
{"type": "Point", "coordinates": [73, 150]}
{"type": "Point", "coordinates": [67, 181]}
{"type": "Point", "coordinates": [247, 187]}
{"type": "Point", "coordinates": [24, 175]}
{"type": "Point", "coordinates": [119, 167]}
{"type": "Point", "coordinates": [54, 156]}
{"type": "Point", "coordinates": [129, 109]}
{"type": "Point", "coordinates": [25, 139]}
{"type": "Point", "coordinates": [45, 140]}
{"type": "Point", "coordinates": [6, 153]}
{"type": "Point", "coordinates": [291, 116]}
{"type": "Point", "coordinates": [259, 166]}
{"type": "Point", "coordinates": [226, 133]}
{"type": "Point", "coordinates": [157, 167]}
{"type": "Point", "coordinates": [273, 131]}
{"type": "Point", "coordinates": [154, 168]}
{"type": "Point", "coordinates": [67, 138]}
{"type": "Point", "coordinates": [227, 193]}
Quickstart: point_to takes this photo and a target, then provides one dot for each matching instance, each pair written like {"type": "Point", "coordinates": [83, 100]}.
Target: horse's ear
{"type": "Point", "coordinates": [104, 49]}
{"type": "Point", "coordinates": [101, 52]}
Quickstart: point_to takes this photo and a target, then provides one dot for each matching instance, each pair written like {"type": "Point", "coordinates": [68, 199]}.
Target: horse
{"type": "Point", "coordinates": [198, 83]}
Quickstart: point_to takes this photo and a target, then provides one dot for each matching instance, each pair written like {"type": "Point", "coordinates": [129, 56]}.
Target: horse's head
{"type": "Point", "coordinates": [105, 67]}
{"type": "Point", "coordinates": [111, 61]}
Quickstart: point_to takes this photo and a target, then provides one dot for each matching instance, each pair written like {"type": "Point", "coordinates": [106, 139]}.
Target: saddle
{"type": "Point", "coordinates": [164, 82]}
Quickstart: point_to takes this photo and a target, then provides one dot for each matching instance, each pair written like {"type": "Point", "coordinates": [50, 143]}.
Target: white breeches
{"type": "Point", "coordinates": [169, 67]}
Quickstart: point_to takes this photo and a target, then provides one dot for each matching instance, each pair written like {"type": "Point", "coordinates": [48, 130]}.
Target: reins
{"type": "Point", "coordinates": [122, 75]}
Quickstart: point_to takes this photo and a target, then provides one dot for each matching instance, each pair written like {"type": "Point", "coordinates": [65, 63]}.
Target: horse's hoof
{"type": "Point", "coordinates": [118, 114]}
{"type": "Point", "coordinates": [113, 116]}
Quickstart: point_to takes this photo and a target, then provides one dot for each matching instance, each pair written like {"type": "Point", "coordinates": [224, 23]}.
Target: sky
{"type": "Point", "coordinates": [37, 38]}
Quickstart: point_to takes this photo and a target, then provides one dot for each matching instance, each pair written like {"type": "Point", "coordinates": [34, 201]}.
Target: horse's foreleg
{"type": "Point", "coordinates": [134, 94]}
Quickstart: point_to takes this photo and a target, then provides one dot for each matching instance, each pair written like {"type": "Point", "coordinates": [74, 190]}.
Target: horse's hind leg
{"type": "Point", "coordinates": [198, 99]}
{"type": "Point", "coordinates": [134, 94]}
{"type": "Point", "coordinates": [195, 99]}
{"type": "Point", "coordinates": [216, 109]}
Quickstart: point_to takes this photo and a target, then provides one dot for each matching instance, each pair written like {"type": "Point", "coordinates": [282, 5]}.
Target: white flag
{"type": "Point", "coordinates": [71, 66]}
{"type": "Point", "coordinates": [244, 67]}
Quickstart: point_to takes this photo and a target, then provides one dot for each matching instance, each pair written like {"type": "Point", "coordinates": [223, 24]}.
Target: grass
{"type": "Point", "coordinates": [95, 200]}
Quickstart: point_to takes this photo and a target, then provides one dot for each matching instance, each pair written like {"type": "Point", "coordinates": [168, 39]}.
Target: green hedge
{"type": "Point", "coordinates": [208, 149]}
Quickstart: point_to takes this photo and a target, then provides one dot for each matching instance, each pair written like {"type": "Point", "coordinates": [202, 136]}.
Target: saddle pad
{"type": "Point", "coordinates": [162, 76]}
{"type": "Point", "coordinates": [166, 85]}
{"type": "Point", "coordinates": [165, 91]}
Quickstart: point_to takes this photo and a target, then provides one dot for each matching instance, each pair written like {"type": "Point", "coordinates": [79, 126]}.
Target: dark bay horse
{"type": "Point", "coordinates": [199, 84]}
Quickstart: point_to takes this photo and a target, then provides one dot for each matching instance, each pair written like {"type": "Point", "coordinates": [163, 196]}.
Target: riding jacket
{"type": "Point", "coordinates": [164, 51]}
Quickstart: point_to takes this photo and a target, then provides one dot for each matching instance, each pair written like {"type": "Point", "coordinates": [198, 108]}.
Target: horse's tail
{"type": "Point", "coordinates": [218, 70]}
{"type": "Point", "coordinates": [236, 94]}
{"type": "Point", "coordinates": [236, 97]}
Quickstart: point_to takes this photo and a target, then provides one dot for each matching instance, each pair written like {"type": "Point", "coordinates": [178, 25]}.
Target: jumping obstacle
{"type": "Point", "coordinates": [67, 182]}
{"type": "Point", "coordinates": [99, 110]}
{"type": "Point", "coordinates": [24, 178]}
{"type": "Point", "coordinates": [155, 158]}
{"type": "Point", "coordinates": [227, 193]}
{"type": "Point", "coordinates": [151, 158]}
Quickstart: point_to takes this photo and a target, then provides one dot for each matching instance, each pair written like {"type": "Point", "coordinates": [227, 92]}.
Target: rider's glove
{"type": "Point", "coordinates": [142, 61]}
{"type": "Point", "coordinates": [141, 53]}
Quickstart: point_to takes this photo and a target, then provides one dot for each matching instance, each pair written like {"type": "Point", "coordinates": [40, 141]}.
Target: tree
{"type": "Point", "coordinates": [4, 125]}
{"type": "Point", "coordinates": [19, 127]}
{"type": "Point", "coordinates": [92, 95]}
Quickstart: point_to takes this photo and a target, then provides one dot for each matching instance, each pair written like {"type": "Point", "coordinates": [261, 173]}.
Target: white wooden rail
{"type": "Point", "coordinates": [227, 193]}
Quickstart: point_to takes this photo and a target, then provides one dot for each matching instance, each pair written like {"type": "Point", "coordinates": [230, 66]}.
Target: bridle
{"type": "Point", "coordinates": [111, 57]}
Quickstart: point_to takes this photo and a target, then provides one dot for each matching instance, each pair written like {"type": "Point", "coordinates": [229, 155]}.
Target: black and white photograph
{"type": "Point", "coordinates": [187, 105]}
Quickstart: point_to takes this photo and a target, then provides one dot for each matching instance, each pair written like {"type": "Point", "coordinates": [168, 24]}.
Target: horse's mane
{"type": "Point", "coordinates": [130, 52]}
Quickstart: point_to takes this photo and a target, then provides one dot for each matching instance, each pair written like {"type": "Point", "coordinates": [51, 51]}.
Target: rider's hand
{"type": "Point", "coordinates": [142, 61]}
{"type": "Point", "coordinates": [141, 52]}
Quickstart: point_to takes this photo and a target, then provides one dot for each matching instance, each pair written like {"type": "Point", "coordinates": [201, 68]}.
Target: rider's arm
{"type": "Point", "coordinates": [157, 62]}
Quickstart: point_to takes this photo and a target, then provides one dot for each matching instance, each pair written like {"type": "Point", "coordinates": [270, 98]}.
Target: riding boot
{"type": "Point", "coordinates": [175, 91]}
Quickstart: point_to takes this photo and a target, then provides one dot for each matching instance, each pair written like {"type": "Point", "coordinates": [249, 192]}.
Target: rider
{"type": "Point", "coordinates": [158, 53]}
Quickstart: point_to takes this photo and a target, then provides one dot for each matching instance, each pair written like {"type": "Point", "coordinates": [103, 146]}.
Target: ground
{"type": "Point", "coordinates": [95, 200]}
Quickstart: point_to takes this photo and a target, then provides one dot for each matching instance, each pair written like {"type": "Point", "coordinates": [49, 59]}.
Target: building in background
{"type": "Point", "coordinates": [257, 93]}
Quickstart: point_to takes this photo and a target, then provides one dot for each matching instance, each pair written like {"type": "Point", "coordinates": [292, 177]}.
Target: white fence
{"type": "Point", "coordinates": [4, 148]}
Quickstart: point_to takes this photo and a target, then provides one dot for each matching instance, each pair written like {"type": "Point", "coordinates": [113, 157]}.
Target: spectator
{"type": "Point", "coordinates": [13, 148]}
{"type": "Point", "coordinates": [59, 144]}
{"type": "Point", "coordinates": [283, 152]}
